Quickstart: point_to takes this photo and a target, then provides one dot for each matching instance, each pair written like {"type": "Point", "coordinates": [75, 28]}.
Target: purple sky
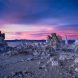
{"type": "Point", "coordinates": [35, 19]}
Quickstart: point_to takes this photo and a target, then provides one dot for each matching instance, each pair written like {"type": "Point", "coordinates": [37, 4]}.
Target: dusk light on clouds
{"type": "Point", "coordinates": [35, 19]}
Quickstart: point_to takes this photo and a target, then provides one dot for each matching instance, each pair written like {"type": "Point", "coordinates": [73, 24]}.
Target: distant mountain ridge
{"type": "Point", "coordinates": [25, 40]}
{"type": "Point", "coordinates": [22, 40]}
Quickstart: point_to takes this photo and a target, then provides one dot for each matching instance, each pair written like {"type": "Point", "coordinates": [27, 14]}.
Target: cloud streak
{"type": "Point", "coordinates": [34, 32]}
{"type": "Point", "coordinates": [35, 19]}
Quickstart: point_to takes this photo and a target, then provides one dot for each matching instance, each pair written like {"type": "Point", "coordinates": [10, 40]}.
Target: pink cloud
{"type": "Point", "coordinates": [38, 35]}
{"type": "Point", "coordinates": [40, 32]}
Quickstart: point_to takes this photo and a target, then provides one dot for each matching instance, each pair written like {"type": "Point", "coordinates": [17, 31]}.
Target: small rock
{"type": "Point", "coordinates": [54, 63]}
{"type": "Point", "coordinates": [76, 60]}
{"type": "Point", "coordinates": [76, 69]}
{"type": "Point", "coordinates": [29, 59]}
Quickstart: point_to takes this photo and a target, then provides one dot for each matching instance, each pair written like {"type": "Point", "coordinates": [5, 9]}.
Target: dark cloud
{"type": "Point", "coordinates": [68, 28]}
{"type": "Point", "coordinates": [32, 11]}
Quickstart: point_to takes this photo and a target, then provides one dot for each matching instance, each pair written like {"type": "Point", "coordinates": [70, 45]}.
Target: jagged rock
{"type": "Point", "coordinates": [35, 53]}
{"type": "Point", "coordinates": [76, 69]}
{"type": "Point", "coordinates": [11, 53]}
{"type": "Point", "coordinates": [29, 58]}
{"type": "Point", "coordinates": [76, 60]}
{"type": "Point", "coordinates": [16, 75]}
{"type": "Point", "coordinates": [62, 57]}
{"type": "Point", "coordinates": [54, 63]}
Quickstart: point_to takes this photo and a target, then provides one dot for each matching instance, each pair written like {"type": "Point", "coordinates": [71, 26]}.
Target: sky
{"type": "Point", "coordinates": [35, 19]}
